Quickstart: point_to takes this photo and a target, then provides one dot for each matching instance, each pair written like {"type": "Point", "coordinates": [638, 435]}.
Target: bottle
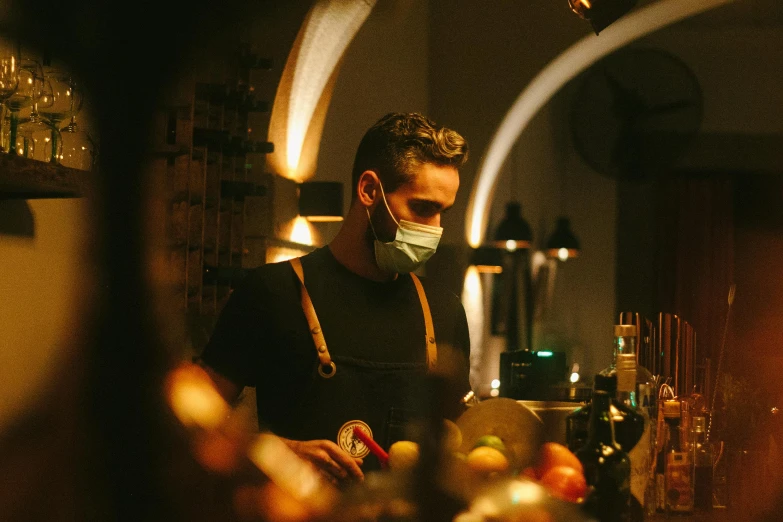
{"type": "Point", "coordinates": [633, 434]}
{"type": "Point", "coordinates": [702, 459]}
{"type": "Point", "coordinates": [606, 466]}
{"type": "Point", "coordinates": [578, 421]}
{"type": "Point", "coordinates": [678, 474]}
{"type": "Point", "coordinates": [211, 138]}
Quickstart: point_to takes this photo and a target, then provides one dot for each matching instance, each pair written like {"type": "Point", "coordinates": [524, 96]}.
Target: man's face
{"type": "Point", "coordinates": [431, 192]}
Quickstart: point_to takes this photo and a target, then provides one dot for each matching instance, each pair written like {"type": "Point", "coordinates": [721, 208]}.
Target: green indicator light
{"type": "Point", "coordinates": [544, 354]}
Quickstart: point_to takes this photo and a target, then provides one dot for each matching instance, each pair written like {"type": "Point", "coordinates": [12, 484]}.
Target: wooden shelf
{"type": "Point", "coordinates": [24, 178]}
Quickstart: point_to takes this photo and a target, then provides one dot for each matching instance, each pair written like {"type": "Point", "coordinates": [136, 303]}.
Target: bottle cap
{"type": "Point", "coordinates": [625, 330]}
{"type": "Point", "coordinates": [671, 409]}
{"type": "Point", "coordinates": [699, 424]}
{"type": "Point", "coordinates": [606, 383]}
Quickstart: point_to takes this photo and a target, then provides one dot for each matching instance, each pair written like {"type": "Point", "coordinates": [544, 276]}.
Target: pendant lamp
{"type": "Point", "coordinates": [562, 244]}
{"type": "Point", "coordinates": [513, 232]}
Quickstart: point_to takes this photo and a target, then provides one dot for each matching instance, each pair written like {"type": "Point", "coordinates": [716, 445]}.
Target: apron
{"type": "Point", "coordinates": [346, 392]}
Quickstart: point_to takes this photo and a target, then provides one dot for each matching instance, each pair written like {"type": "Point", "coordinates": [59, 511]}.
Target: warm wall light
{"type": "Point", "coordinates": [562, 244]}
{"type": "Point", "coordinates": [321, 201]}
{"type": "Point", "coordinates": [473, 301]}
{"type": "Point", "coordinates": [513, 233]}
{"type": "Point", "coordinates": [305, 87]}
{"type": "Point", "coordinates": [301, 233]}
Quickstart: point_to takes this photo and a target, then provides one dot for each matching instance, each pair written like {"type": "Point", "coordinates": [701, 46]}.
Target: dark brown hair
{"type": "Point", "coordinates": [398, 142]}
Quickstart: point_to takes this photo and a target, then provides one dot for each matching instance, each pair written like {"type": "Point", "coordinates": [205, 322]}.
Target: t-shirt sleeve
{"type": "Point", "coordinates": [230, 348]}
{"type": "Point", "coordinates": [462, 335]}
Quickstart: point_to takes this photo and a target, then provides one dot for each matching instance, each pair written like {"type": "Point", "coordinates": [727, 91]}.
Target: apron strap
{"type": "Point", "coordinates": [325, 359]}
{"type": "Point", "coordinates": [432, 348]}
{"type": "Point", "coordinates": [326, 368]}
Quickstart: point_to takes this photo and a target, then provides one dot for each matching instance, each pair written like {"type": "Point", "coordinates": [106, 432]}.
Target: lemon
{"type": "Point", "coordinates": [485, 459]}
{"type": "Point", "coordinates": [403, 455]}
{"type": "Point", "coordinates": [452, 436]}
{"type": "Point", "coordinates": [491, 441]}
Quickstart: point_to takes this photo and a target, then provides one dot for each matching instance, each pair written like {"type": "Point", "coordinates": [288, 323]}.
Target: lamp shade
{"type": "Point", "coordinates": [321, 200]}
{"type": "Point", "coordinates": [562, 244]}
{"type": "Point", "coordinates": [513, 232]}
{"type": "Point", "coordinates": [487, 259]}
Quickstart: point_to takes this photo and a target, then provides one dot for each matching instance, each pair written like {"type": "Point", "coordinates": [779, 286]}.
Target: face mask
{"type": "Point", "coordinates": [413, 244]}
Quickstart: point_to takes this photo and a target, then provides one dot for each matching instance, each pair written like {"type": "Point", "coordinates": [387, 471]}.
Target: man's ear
{"type": "Point", "coordinates": [367, 190]}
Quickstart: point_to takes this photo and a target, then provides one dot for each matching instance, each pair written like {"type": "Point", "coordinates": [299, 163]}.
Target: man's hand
{"type": "Point", "coordinates": [337, 465]}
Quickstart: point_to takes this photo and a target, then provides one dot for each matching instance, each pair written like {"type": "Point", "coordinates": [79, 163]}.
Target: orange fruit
{"type": "Point", "coordinates": [552, 454]}
{"type": "Point", "coordinates": [565, 483]}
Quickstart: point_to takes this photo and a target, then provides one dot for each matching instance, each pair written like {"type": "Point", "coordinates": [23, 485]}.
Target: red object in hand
{"type": "Point", "coordinates": [360, 434]}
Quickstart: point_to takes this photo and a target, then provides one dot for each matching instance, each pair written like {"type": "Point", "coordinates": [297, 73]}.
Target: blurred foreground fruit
{"type": "Point", "coordinates": [452, 436]}
{"type": "Point", "coordinates": [491, 441]}
{"type": "Point", "coordinates": [403, 455]}
{"type": "Point", "coordinates": [551, 455]}
{"type": "Point", "coordinates": [486, 460]}
{"type": "Point", "coordinates": [565, 483]}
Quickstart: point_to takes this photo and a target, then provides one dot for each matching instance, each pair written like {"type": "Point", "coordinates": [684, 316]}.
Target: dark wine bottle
{"type": "Point", "coordinates": [239, 190]}
{"type": "Point", "coordinates": [214, 93]}
{"type": "Point", "coordinates": [577, 422]}
{"type": "Point", "coordinates": [214, 139]}
{"type": "Point", "coordinates": [607, 467]}
{"type": "Point", "coordinates": [240, 147]}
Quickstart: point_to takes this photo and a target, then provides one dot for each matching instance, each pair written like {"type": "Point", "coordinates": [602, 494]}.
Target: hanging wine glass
{"type": "Point", "coordinates": [29, 88]}
{"type": "Point", "coordinates": [65, 102]}
{"type": "Point", "coordinates": [34, 133]}
{"type": "Point", "coordinates": [9, 78]}
{"type": "Point", "coordinates": [78, 148]}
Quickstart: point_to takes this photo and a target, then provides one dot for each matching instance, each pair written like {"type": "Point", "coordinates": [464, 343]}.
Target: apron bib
{"type": "Point", "coordinates": [345, 392]}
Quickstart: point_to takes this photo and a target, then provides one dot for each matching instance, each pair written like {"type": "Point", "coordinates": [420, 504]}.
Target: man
{"type": "Point", "coordinates": [352, 347]}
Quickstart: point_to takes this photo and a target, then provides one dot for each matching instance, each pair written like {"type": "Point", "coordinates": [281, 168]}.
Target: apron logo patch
{"type": "Point", "coordinates": [351, 444]}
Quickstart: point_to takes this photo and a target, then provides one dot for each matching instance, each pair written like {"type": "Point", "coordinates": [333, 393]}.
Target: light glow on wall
{"type": "Point", "coordinates": [473, 301]}
{"type": "Point", "coordinates": [305, 88]}
{"type": "Point", "coordinates": [301, 233]}
{"type": "Point", "coordinates": [551, 79]}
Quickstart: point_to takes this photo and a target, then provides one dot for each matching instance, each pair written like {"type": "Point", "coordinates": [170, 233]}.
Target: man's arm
{"type": "Point", "coordinates": [225, 387]}
{"type": "Point", "coordinates": [325, 455]}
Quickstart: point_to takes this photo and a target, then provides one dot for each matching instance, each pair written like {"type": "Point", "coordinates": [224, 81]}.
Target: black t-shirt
{"type": "Point", "coordinates": [262, 338]}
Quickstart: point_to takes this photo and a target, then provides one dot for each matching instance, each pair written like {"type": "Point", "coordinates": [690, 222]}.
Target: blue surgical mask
{"type": "Point", "coordinates": [413, 244]}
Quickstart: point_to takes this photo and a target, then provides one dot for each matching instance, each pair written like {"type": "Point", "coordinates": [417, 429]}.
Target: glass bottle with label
{"type": "Point", "coordinates": [678, 474]}
{"type": "Point", "coordinates": [702, 460]}
{"type": "Point", "coordinates": [607, 467]}
{"type": "Point", "coordinates": [633, 433]}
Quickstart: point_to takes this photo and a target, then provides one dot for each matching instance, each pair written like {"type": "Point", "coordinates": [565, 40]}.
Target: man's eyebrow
{"type": "Point", "coordinates": [439, 206]}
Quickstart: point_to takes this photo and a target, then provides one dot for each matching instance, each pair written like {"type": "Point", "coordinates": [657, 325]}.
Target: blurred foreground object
{"type": "Point", "coordinates": [519, 500]}
{"type": "Point", "coordinates": [290, 488]}
{"type": "Point", "coordinates": [517, 426]}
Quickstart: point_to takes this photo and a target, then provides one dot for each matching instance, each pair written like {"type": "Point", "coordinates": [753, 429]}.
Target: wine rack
{"type": "Point", "coordinates": [208, 154]}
